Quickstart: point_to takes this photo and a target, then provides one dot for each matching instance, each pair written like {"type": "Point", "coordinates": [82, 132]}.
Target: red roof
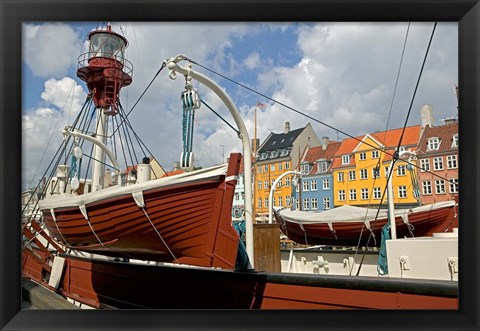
{"type": "Point", "coordinates": [317, 153]}
{"type": "Point", "coordinates": [390, 138]}
{"type": "Point", "coordinates": [444, 132]}
{"type": "Point", "coordinates": [173, 172]}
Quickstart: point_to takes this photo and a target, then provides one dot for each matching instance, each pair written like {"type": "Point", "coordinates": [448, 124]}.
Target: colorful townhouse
{"type": "Point", "coordinates": [279, 153]}
{"type": "Point", "coordinates": [238, 205]}
{"type": "Point", "coordinates": [437, 157]}
{"type": "Point", "coordinates": [360, 169]}
{"type": "Point", "coordinates": [314, 191]}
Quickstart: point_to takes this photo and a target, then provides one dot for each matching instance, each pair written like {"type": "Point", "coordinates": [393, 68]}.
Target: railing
{"type": "Point", "coordinates": [84, 59]}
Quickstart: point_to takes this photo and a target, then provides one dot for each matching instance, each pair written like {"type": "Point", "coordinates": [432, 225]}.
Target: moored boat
{"type": "Point", "coordinates": [353, 226]}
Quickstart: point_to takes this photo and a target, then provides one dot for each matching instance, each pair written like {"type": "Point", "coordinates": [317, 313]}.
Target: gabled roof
{"type": "Point", "coordinates": [390, 138]}
{"type": "Point", "coordinates": [317, 153]}
{"type": "Point", "coordinates": [280, 140]}
{"type": "Point", "coordinates": [444, 132]}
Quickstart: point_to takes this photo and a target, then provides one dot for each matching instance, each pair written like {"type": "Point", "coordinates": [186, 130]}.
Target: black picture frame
{"type": "Point", "coordinates": [13, 13]}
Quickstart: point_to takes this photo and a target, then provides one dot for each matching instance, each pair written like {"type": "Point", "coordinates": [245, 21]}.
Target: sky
{"type": "Point", "coordinates": [341, 74]}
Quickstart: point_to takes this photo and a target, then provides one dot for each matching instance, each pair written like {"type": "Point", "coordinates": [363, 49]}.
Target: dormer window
{"type": "Point", "coordinates": [433, 144]}
{"type": "Point", "coordinates": [305, 169]}
{"type": "Point", "coordinates": [455, 141]}
{"type": "Point", "coordinates": [322, 167]}
{"type": "Point", "coordinates": [345, 159]}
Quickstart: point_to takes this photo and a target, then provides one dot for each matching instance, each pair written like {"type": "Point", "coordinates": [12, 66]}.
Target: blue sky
{"type": "Point", "coordinates": [340, 73]}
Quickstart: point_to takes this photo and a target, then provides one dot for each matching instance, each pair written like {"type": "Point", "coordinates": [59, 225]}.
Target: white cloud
{"type": "Point", "coordinates": [50, 49]}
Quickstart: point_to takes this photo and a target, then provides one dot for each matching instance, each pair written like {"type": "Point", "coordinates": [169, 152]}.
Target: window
{"type": "Point", "coordinates": [452, 162]}
{"type": "Point", "coordinates": [259, 203]}
{"type": "Point", "coordinates": [306, 204]}
{"type": "Point", "coordinates": [287, 165]}
{"type": "Point", "coordinates": [280, 201]}
{"type": "Point", "coordinates": [265, 168]}
{"type": "Point", "coordinates": [386, 171]}
{"type": "Point", "coordinates": [453, 185]}
{"type": "Point", "coordinates": [305, 168]}
{"type": "Point", "coordinates": [287, 201]}
{"type": "Point", "coordinates": [313, 185]}
{"type": "Point", "coordinates": [272, 181]}
{"type": "Point", "coordinates": [305, 185]}
{"type": "Point", "coordinates": [273, 201]}
{"type": "Point", "coordinates": [438, 163]}
{"type": "Point", "coordinates": [402, 191]}
{"type": "Point", "coordinates": [401, 170]}
{"type": "Point", "coordinates": [345, 159]}
{"type": "Point", "coordinates": [259, 183]}
{"type": "Point", "coordinates": [266, 202]}
{"type": "Point", "coordinates": [433, 144]}
{"type": "Point", "coordinates": [322, 167]}
{"type": "Point", "coordinates": [279, 166]}
{"type": "Point", "coordinates": [374, 154]}
{"type": "Point", "coordinates": [326, 203]}
{"type": "Point", "coordinates": [425, 165]}
{"type": "Point", "coordinates": [266, 184]}
{"type": "Point", "coordinates": [363, 174]}
{"type": "Point", "coordinates": [259, 169]}
{"type": "Point", "coordinates": [326, 184]}
{"type": "Point", "coordinates": [287, 182]}
{"type": "Point", "coordinates": [352, 175]}
{"type": "Point", "coordinates": [377, 193]}
{"type": "Point", "coordinates": [364, 193]}
{"type": "Point", "coordinates": [376, 172]}
{"type": "Point", "coordinates": [272, 167]}
{"type": "Point", "coordinates": [341, 195]}
{"type": "Point", "coordinates": [440, 186]}
{"type": "Point", "coordinates": [297, 187]}
{"type": "Point", "coordinates": [455, 141]}
{"type": "Point", "coordinates": [297, 204]}
{"type": "Point", "coordinates": [427, 187]}
{"type": "Point", "coordinates": [363, 156]}
{"type": "Point", "coordinates": [314, 204]}
{"type": "Point", "coordinates": [340, 176]}
{"type": "Point", "coordinates": [353, 194]}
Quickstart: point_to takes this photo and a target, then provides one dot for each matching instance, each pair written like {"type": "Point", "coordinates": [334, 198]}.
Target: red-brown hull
{"type": "Point", "coordinates": [192, 224]}
{"type": "Point", "coordinates": [353, 234]}
{"type": "Point", "coordinates": [126, 285]}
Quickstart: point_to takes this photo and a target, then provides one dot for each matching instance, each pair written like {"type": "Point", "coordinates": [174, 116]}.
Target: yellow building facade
{"type": "Point", "coordinates": [360, 170]}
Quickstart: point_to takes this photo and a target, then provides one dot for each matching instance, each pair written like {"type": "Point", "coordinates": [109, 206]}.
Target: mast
{"type": "Point", "coordinates": [254, 168]}
{"type": "Point", "coordinates": [105, 70]}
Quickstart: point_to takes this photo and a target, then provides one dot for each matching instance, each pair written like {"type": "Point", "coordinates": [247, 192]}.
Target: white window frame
{"type": "Point", "coordinates": [288, 201]}
{"type": "Point", "coordinates": [377, 193]}
{"type": "Point", "coordinates": [306, 204]}
{"type": "Point", "coordinates": [279, 166]}
{"type": "Point", "coordinates": [259, 169]}
{"type": "Point", "coordinates": [440, 186]}
{"type": "Point", "coordinates": [424, 165]}
{"type": "Point", "coordinates": [313, 185]}
{"type": "Point", "coordinates": [326, 184]}
{"type": "Point", "coordinates": [352, 175]}
{"type": "Point", "coordinates": [363, 174]}
{"type": "Point", "coordinates": [352, 194]}
{"type": "Point", "coordinates": [455, 140]}
{"type": "Point", "coordinates": [362, 156]}
{"type": "Point", "coordinates": [287, 165]}
{"type": "Point", "coordinates": [364, 193]}
{"type": "Point", "coordinates": [401, 170]}
{"type": "Point", "coordinates": [314, 203]}
{"type": "Point", "coordinates": [340, 176]}
{"type": "Point", "coordinates": [341, 195]}
{"type": "Point", "coordinates": [265, 184]}
{"type": "Point", "coordinates": [259, 203]}
{"type": "Point", "coordinates": [322, 167]}
{"type": "Point", "coordinates": [438, 163]}
{"type": "Point", "coordinates": [375, 174]}
{"type": "Point", "coordinates": [345, 159]}
{"type": "Point", "coordinates": [375, 154]}
{"type": "Point", "coordinates": [402, 192]}
{"type": "Point", "coordinates": [427, 187]}
{"type": "Point", "coordinates": [433, 144]}
{"type": "Point", "coordinates": [452, 162]}
{"type": "Point", "coordinates": [287, 182]}
{"type": "Point", "coordinates": [453, 187]}
{"type": "Point", "coordinates": [326, 203]}
{"type": "Point", "coordinates": [305, 185]}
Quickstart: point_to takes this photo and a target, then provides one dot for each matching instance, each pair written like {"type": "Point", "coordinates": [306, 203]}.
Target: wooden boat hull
{"type": "Point", "coordinates": [127, 285]}
{"type": "Point", "coordinates": [354, 233]}
{"type": "Point", "coordinates": [186, 223]}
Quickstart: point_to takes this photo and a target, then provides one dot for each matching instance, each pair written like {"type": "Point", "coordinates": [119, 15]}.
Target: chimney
{"type": "Point", "coordinates": [449, 120]}
{"type": "Point", "coordinates": [255, 144]}
{"type": "Point", "coordinates": [426, 113]}
{"type": "Point", "coordinates": [287, 127]}
{"type": "Point", "coordinates": [176, 165]}
{"type": "Point", "coordinates": [325, 141]}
